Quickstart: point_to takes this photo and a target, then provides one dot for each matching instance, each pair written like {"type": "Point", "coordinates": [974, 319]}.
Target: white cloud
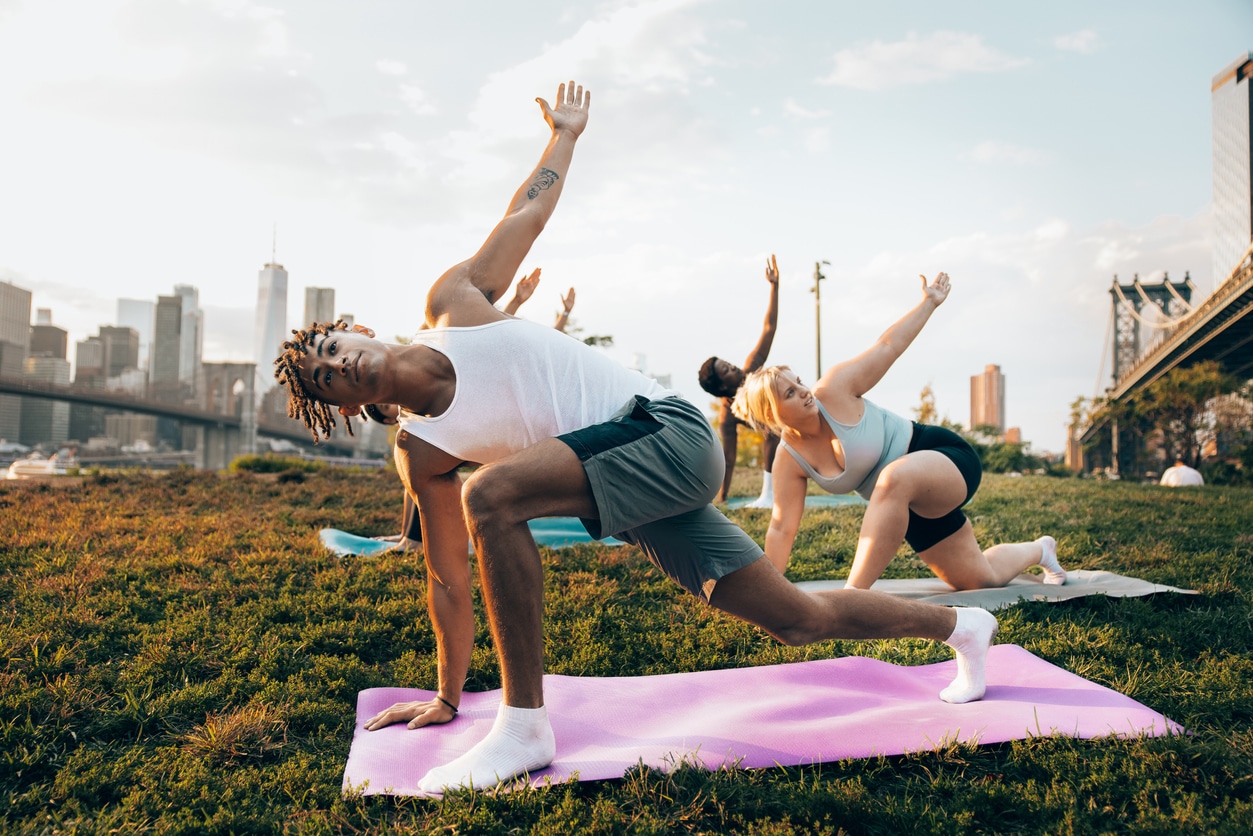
{"type": "Point", "coordinates": [992, 151]}
{"type": "Point", "coordinates": [1084, 41]}
{"type": "Point", "coordinates": [791, 108]}
{"type": "Point", "coordinates": [916, 60]}
{"type": "Point", "coordinates": [416, 100]}
{"type": "Point", "coordinates": [818, 140]}
{"type": "Point", "coordinates": [389, 67]}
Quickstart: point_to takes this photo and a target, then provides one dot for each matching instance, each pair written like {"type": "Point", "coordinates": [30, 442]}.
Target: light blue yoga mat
{"type": "Point", "coordinates": [817, 501]}
{"type": "Point", "coordinates": [554, 532]}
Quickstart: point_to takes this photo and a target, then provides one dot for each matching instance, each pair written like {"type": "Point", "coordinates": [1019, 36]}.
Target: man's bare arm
{"type": "Point", "coordinates": [757, 357]}
{"type": "Point", "coordinates": [728, 428]}
{"type": "Point", "coordinates": [451, 607]}
{"type": "Point", "coordinates": [491, 269]}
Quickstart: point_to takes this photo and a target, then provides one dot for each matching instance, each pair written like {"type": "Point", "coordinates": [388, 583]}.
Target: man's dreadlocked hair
{"type": "Point", "coordinates": [302, 405]}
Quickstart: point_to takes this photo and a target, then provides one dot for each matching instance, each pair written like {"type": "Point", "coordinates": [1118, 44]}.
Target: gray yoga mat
{"type": "Point", "coordinates": [1079, 582]}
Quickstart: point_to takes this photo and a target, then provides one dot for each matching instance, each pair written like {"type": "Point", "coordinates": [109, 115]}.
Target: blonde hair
{"type": "Point", "coordinates": [757, 403]}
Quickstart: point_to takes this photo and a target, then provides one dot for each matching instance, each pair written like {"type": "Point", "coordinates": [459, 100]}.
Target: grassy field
{"type": "Point", "coordinates": [181, 657]}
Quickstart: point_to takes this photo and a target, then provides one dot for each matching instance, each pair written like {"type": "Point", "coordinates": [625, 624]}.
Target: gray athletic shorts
{"type": "Point", "coordinates": [654, 468]}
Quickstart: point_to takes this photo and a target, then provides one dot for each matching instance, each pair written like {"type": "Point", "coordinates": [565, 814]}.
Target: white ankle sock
{"type": "Point", "coordinates": [766, 500]}
{"type": "Point", "coordinates": [1053, 572]}
{"type": "Point", "coordinates": [971, 639]}
{"type": "Point", "coordinates": [521, 740]}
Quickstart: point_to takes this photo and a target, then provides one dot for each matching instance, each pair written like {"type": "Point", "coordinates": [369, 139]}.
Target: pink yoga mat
{"type": "Point", "coordinates": [779, 715]}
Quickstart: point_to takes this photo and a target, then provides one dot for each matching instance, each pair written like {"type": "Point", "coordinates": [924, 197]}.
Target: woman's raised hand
{"type": "Point", "coordinates": [936, 291]}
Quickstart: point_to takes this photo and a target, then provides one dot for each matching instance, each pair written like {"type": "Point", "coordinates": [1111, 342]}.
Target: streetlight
{"type": "Point", "coordinates": [816, 290]}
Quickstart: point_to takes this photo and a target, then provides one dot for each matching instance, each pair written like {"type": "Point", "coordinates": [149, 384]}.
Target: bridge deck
{"type": "Point", "coordinates": [1220, 329]}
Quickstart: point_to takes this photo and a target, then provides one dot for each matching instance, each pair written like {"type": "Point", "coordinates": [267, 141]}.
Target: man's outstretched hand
{"type": "Point", "coordinates": [571, 111]}
{"type": "Point", "coordinates": [417, 713]}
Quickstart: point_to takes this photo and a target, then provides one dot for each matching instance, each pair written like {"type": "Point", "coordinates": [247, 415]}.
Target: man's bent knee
{"type": "Point", "coordinates": [486, 497]}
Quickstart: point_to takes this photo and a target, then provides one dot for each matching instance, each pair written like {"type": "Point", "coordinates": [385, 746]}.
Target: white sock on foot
{"type": "Point", "coordinates": [1053, 572]}
{"type": "Point", "coordinates": [521, 740]}
{"type": "Point", "coordinates": [971, 639]}
{"type": "Point", "coordinates": [766, 500]}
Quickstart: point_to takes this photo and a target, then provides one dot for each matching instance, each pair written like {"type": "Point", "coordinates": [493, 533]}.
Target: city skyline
{"type": "Point", "coordinates": [1031, 153]}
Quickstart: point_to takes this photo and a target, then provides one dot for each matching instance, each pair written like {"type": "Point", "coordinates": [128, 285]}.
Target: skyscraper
{"type": "Point", "coordinates": [191, 337]}
{"type": "Point", "coordinates": [88, 421]}
{"type": "Point", "coordinates": [167, 344]}
{"type": "Point", "coordinates": [121, 349]}
{"type": "Point", "coordinates": [1231, 98]}
{"type": "Point", "coordinates": [271, 324]}
{"type": "Point", "coordinates": [319, 306]}
{"type": "Point", "coordinates": [987, 399]}
{"type": "Point", "coordinates": [47, 340]}
{"type": "Point", "coordinates": [45, 420]}
{"type": "Point", "coordinates": [14, 347]}
{"type": "Point", "coordinates": [140, 315]}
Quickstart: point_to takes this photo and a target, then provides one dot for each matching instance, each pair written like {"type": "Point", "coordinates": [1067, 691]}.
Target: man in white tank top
{"type": "Point", "coordinates": [559, 430]}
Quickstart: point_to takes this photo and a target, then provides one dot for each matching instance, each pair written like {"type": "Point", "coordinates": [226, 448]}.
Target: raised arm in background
{"type": "Point", "coordinates": [728, 426]}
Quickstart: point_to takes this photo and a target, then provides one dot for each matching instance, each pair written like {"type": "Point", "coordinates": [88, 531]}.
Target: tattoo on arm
{"type": "Point", "coordinates": [544, 179]}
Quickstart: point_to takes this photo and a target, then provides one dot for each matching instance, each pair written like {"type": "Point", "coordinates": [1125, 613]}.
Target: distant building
{"type": "Point", "coordinates": [14, 348]}
{"type": "Point", "coordinates": [88, 421]}
{"type": "Point", "coordinates": [89, 361]}
{"type": "Point", "coordinates": [127, 428]}
{"type": "Point", "coordinates": [987, 399]}
{"type": "Point", "coordinates": [1231, 98]}
{"type": "Point", "coordinates": [139, 314]}
{"type": "Point", "coordinates": [167, 345]}
{"type": "Point", "coordinates": [43, 420]}
{"type": "Point", "coordinates": [191, 337]}
{"type": "Point", "coordinates": [14, 315]}
{"type": "Point", "coordinates": [271, 324]}
{"type": "Point", "coordinates": [48, 341]}
{"type": "Point", "coordinates": [121, 349]}
{"type": "Point", "coordinates": [319, 306]}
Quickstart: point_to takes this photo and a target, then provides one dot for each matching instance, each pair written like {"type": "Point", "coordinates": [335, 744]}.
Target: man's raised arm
{"type": "Point", "coordinates": [757, 357]}
{"type": "Point", "coordinates": [492, 268]}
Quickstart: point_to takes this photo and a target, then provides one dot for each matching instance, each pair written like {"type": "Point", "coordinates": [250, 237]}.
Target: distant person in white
{"type": "Point", "coordinates": [1181, 476]}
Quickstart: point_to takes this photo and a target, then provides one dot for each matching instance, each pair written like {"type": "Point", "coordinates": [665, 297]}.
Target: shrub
{"type": "Point", "coordinates": [270, 463]}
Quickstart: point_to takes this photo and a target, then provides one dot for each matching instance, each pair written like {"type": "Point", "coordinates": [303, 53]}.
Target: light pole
{"type": "Point", "coordinates": [816, 290]}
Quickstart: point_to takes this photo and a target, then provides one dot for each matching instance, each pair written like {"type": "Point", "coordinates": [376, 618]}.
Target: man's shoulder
{"type": "Point", "coordinates": [422, 459]}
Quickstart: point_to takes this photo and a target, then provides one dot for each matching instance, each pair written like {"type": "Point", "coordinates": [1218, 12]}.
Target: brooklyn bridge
{"type": "Point", "coordinates": [226, 419]}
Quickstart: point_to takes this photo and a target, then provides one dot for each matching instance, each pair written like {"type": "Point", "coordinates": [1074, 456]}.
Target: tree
{"type": "Point", "coordinates": [1005, 457]}
{"type": "Point", "coordinates": [1179, 405]}
{"type": "Point", "coordinates": [925, 412]}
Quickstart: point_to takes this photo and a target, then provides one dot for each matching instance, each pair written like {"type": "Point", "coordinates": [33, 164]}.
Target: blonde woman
{"type": "Point", "coordinates": [915, 477]}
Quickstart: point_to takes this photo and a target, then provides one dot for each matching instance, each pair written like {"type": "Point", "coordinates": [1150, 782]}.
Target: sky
{"type": "Point", "coordinates": [1031, 151]}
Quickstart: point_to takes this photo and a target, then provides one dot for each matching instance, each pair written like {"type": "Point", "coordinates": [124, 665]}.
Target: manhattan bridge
{"type": "Point", "coordinates": [1179, 335]}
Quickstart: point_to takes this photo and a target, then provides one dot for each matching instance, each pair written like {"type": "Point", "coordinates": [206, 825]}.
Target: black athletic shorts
{"type": "Point", "coordinates": [925, 532]}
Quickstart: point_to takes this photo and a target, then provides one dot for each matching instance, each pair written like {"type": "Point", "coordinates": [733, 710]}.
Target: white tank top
{"type": "Point", "coordinates": [519, 383]}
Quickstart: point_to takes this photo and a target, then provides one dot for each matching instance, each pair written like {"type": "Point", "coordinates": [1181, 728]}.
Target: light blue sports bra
{"type": "Point", "coordinates": [879, 438]}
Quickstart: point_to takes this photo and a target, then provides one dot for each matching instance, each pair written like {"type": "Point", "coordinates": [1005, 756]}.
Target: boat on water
{"type": "Point", "coordinates": [37, 465]}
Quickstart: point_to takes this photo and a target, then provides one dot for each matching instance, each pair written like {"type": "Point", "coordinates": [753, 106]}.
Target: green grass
{"type": "Point", "coordinates": [181, 657]}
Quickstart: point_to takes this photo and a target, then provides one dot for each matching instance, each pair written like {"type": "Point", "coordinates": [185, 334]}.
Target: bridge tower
{"type": "Point", "coordinates": [228, 389]}
{"type": "Point", "coordinates": [1171, 299]}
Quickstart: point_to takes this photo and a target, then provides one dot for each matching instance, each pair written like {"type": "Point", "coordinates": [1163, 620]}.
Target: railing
{"type": "Point", "coordinates": [1240, 281]}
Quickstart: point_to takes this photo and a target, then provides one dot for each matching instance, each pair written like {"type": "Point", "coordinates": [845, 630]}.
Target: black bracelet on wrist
{"type": "Point", "coordinates": [447, 703]}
